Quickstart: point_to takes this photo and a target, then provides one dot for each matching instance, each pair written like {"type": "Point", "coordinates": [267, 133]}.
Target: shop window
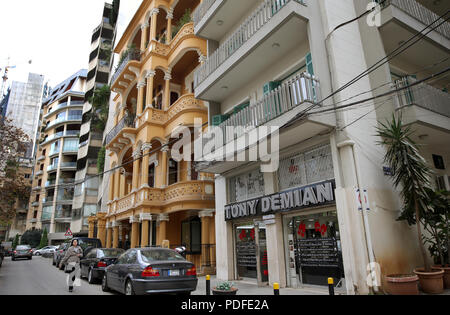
{"type": "Point", "coordinates": [191, 236]}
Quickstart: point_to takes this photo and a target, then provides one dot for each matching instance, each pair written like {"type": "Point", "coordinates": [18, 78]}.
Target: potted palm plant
{"type": "Point", "coordinates": [225, 288]}
{"type": "Point", "coordinates": [437, 222]}
{"type": "Point", "coordinates": [412, 175]}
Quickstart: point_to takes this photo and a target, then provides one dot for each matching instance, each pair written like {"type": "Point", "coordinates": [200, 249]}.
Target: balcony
{"type": "Point", "coordinates": [62, 120]}
{"type": "Point", "coordinates": [39, 173]}
{"type": "Point", "coordinates": [68, 166]}
{"type": "Point", "coordinates": [131, 56]}
{"type": "Point", "coordinates": [274, 29]}
{"type": "Point", "coordinates": [213, 18]}
{"type": "Point", "coordinates": [180, 196]}
{"type": "Point", "coordinates": [58, 135]}
{"type": "Point", "coordinates": [33, 221]}
{"type": "Point", "coordinates": [423, 104]}
{"type": "Point", "coordinates": [401, 20]}
{"type": "Point", "coordinates": [35, 204]}
{"type": "Point", "coordinates": [64, 105]}
{"type": "Point", "coordinates": [124, 123]}
{"type": "Point", "coordinates": [52, 168]}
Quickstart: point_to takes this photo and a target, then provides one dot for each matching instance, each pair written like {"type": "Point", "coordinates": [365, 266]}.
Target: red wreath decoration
{"type": "Point", "coordinates": [302, 230]}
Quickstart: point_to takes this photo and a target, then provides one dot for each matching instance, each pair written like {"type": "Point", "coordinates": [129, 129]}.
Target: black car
{"type": "Point", "coordinates": [142, 271]}
{"type": "Point", "coordinates": [85, 243]}
{"type": "Point", "coordinates": [22, 251]}
{"type": "Point", "coordinates": [93, 264]}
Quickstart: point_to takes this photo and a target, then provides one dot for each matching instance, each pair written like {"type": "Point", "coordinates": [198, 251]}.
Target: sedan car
{"type": "Point", "coordinates": [45, 250]}
{"type": "Point", "coordinates": [93, 265]}
{"type": "Point", "coordinates": [22, 251]}
{"type": "Point", "coordinates": [142, 271]}
{"type": "Point", "coordinates": [59, 253]}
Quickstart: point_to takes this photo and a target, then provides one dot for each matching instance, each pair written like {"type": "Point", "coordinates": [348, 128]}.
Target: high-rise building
{"type": "Point", "coordinates": [91, 134]}
{"type": "Point", "coordinates": [153, 197]}
{"type": "Point", "coordinates": [56, 158]}
{"type": "Point", "coordinates": [24, 104]}
{"type": "Point", "coordinates": [327, 208]}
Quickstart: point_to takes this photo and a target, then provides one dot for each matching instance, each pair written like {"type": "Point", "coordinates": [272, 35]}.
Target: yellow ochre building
{"type": "Point", "coordinates": [154, 200]}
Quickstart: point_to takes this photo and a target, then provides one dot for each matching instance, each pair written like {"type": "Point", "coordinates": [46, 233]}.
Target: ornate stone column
{"type": "Point", "coordinates": [101, 228]}
{"type": "Point", "coordinates": [144, 36]}
{"type": "Point", "coordinates": [154, 13]}
{"type": "Point", "coordinates": [123, 175]}
{"type": "Point", "coordinates": [150, 83]}
{"type": "Point", "coordinates": [91, 222]}
{"type": "Point", "coordinates": [134, 232]}
{"type": "Point", "coordinates": [167, 78]}
{"type": "Point", "coordinates": [136, 157]}
{"type": "Point", "coordinates": [162, 230]}
{"type": "Point", "coordinates": [146, 148]}
{"type": "Point", "coordinates": [169, 18]}
{"type": "Point", "coordinates": [145, 219]}
{"type": "Point", "coordinates": [164, 162]}
{"type": "Point", "coordinates": [109, 235]}
{"type": "Point", "coordinates": [115, 235]}
{"type": "Point", "coordinates": [140, 105]}
{"type": "Point", "coordinates": [116, 184]}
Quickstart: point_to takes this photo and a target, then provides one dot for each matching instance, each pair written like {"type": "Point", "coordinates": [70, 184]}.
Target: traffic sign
{"type": "Point", "coordinates": [68, 233]}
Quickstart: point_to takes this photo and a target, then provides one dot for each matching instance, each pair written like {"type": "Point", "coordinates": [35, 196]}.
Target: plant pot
{"type": "Point", "coordinates": [403, 284]}
{"type": "Point", "coordinates": [446, 274]}
{"type": "Point", "coordinates": [219, 292]}
{"type": "Point", "coordinates": [431, 282]}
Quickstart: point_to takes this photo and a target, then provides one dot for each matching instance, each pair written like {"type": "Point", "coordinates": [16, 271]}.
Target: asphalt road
{"type": "Point", "coordinates": [39, 277]}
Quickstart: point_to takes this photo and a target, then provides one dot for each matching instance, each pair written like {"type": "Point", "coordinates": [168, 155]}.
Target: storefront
{"type": "Point", "coordinates": [305, 210]}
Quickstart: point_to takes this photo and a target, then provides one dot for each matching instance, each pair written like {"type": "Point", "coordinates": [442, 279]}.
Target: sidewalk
{"type": "Point", "coordinates": [250, 288]}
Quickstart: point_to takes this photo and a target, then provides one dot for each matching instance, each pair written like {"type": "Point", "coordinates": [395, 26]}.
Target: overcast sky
{"type": "Point", "coordinates": [54, 34]}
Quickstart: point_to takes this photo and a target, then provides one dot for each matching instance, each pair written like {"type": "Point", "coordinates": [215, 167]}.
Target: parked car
{"type": "Point", "coordinates": [142, 271]}
{"type": "Point", "coordinates": [22, 251]}
{"type": "Point", "coordinates": [59, 253]}
{"type": "Point", "coordinates": [2, 255]}
{"type": "Point", "coordinates": [85, 243]}
{"type": "Point", "coordinates": [93, 264]}
{"type": "Point", "coordinates": [44, 250]}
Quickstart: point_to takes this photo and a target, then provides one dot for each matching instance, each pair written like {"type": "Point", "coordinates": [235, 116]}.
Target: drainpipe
{"type": "Point", "coordinates": [368, 237]}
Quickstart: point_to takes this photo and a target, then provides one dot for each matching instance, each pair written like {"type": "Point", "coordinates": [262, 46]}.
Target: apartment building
{"type": "Point", "coordinates": [85, 202]}
{"type": "Point", "coordinates": [273, 63]}
{"type": "Point", "coordinates": [155, 199]}
{"type": "Point", "coordinates": [24, 102]}
{"type": "Point", "coordinates": [56, 159]}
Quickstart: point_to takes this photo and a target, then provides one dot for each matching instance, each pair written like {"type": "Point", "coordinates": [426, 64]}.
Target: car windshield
{"type": "Point", "coordinates": [88, 243]}
{"type": "Point", "coordinates": [110, 253]}
{"type": "Point", "coordinates": [160, 255]}
{"type": "Point", "coordinates": [23, 247]}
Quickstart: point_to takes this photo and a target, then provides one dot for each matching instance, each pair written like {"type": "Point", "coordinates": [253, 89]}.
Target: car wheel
{"type": "Point", "coordinates": [91, 279]}
{"type": "Point", "coordinates": [13, 259]}
{"type": "Point", "coordinates": [53, 262]}
{"type": "Point", "coordinates": [105, 287]}
{"type": "Point", "coordinates": [129, 288]}
{"type": "Point", "coordinates": [30, 258]}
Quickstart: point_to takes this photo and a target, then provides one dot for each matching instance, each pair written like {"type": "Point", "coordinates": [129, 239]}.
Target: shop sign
{"type": "Point", "coordinates": [293, 199]}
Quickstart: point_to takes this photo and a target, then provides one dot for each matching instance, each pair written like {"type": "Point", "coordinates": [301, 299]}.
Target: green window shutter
{"type": "Point", "coordinates": [309, 64]}
{"type": "Point", "coordinates": [219, 119]}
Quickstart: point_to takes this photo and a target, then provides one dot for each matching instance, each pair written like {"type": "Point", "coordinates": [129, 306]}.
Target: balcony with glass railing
{"type": "Point", "coordinates": [52, 168]}
{"type": "Point", "coordinates": [58, 135]}
{"type": "Point", "coordinates": [68, 165]}
{"type": "Point", "coordinates": [61, 120]}
{"type": "Point", "coordinates": [64, 105]}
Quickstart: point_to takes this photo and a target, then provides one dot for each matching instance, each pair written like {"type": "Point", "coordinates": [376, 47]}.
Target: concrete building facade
{"type": "Point", "coordinates": [274, 63]}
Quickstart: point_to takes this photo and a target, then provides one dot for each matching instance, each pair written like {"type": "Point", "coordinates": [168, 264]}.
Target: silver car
{"type": "Point", "coordinates": [45, 250]}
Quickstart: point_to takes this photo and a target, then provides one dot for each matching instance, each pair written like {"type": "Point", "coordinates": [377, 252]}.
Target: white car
{"type": "Point", "coordinates": [45, 250]}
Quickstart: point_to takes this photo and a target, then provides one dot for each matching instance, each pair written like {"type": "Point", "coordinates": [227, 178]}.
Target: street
{"type": "Point", "coordinates": [39, 277]}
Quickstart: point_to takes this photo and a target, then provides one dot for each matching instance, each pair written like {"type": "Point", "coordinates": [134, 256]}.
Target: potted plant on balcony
{"type": "Point", "coordinates": [224, 288]}
{"type": "Point", "coordinates": [412, 174]}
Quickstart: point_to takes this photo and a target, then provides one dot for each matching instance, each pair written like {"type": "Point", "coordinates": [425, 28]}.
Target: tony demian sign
{"type": "Point", "coordinates": [294, 199]}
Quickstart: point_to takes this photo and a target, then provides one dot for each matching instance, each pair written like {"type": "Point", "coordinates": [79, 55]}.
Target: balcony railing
{"type": "Point", "coordinates": [68, 133]}
{"type": "Point", "coordinates": [52, 168]}
{"type": "Point", "coordinates": [301, 89]}
{"type": "Point", "coordinates": [63, 214]}
{"type": "Point", "coordinates": [132, 56]}
{"type": "Point", "coordinates": [64, 119]}
{"type": "Point", "coordinates": [201, 10]}
{"type": "Point", "coordinates": [260, 17]}
{"type": "Point", "coordinates": [126, 122]}
{"type": "Point", "coordinates": [69, 165]}
{"type": "Point", "coordinates": [422, 95]}
{"type": "Point", "coordinates": [421, 13]}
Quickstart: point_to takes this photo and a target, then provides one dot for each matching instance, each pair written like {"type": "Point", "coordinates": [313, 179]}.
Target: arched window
{"type": "Point", "coordinates": [151, 176]}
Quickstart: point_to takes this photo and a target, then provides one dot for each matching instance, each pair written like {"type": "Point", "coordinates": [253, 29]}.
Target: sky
{"type": "Point", "coordinates": [54, 34]}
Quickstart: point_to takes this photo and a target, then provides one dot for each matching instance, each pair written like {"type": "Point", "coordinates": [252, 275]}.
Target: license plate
{"type": "Point", "coordinates": [174, 273]}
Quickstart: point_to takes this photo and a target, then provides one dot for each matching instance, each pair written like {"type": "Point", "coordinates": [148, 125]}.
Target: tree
{"type": "Point", "coordinates": [411, 173]}
{"type": "Point", "coordinates": [44, 239]}
{"type": "Point", "coordinates": [32, 238]}
{"type": "Point", "coordinates": [100, 108]}
{"type": "Point", "coordinates": [13, 146]}
{"type": "Point", "coordinates": [101, 160]}
{"type": "Point", "coordinates": [16, 241]}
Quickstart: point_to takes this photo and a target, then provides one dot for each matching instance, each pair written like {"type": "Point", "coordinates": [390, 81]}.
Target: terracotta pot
{"type": "Point", "coordinates": [446, 274]}
{"type": "Point", "coordinates": [431, 282]}
{"type": "Point", "coordinates": [219, 292]}
{"type": "Point", "coordinates": [402, 284]}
